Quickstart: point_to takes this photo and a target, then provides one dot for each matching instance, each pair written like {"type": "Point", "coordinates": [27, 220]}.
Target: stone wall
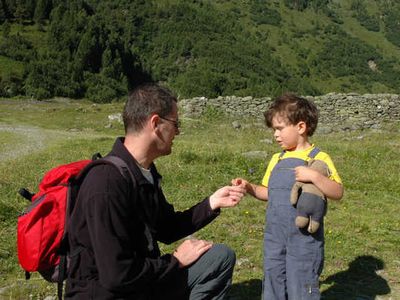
{"type": "Point", "coordinates": [337, 111]}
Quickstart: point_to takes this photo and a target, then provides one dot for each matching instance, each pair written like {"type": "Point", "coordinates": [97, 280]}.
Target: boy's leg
{"type": "Point", "coordinates": [304, 266]}
{"type": "Point", "coordinates": [210, 277]}
{"type": "Point", "coordinates": [274, 285]}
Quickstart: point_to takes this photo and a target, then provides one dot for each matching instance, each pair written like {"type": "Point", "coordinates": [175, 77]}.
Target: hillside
{"type": "Point", "coordinates": [98, 49]}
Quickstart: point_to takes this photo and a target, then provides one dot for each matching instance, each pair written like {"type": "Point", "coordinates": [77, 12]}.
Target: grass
{"type": "Point", "coordinates": [362, 231]}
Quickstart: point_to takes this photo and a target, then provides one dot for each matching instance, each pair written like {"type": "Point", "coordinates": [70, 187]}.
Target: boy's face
{"type": "Point", "coordinates": [288, 136]}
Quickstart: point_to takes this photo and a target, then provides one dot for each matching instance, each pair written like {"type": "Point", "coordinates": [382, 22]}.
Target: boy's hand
{"type": "Point", "coordinates": [305, 174]}
{"type": "Point", "coordinates": [240, 182]}
{"type": "Point", "coordinates": [258, 191]}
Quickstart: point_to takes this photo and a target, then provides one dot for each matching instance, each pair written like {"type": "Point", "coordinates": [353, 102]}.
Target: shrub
{"type": "Point", "coordinates": [51, 75]}
{"type": "Point", "coordinates": [10, 85]}
{"type": "Point", "coordinates": [17, 47]}
{"type": "Point", "coordinates": [101, 89]}
{"type": "Point", "coordinates": [261, 14]}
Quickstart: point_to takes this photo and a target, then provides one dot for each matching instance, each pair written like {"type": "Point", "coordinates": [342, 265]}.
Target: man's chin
{"type": "Point", "coordinates": [168, 152]}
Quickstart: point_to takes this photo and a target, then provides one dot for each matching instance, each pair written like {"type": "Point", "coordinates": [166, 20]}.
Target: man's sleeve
{"type": "Point", "coordinates": [173, 225]}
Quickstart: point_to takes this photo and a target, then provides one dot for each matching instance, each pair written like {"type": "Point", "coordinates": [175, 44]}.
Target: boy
{"type": "Point", "coordinates": [293, 258]}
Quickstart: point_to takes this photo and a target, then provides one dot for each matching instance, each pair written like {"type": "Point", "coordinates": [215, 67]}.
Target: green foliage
{"type": "Point", "coordinates": [2, 13]}
{"type": "Point", "coordinates": [101, 89]}
{"type": "Point", "coordinates": [350, 58]}
{"type": "Point", "coordinates": [42, 10]}
{"type": "Point", "coordinates": [198, 48]}
{"type": "Point", "coordinates": [361, 14]}
{"type": "Point", "coordinates": [392, 26]}
{"type": "Point", "coordinates": [10, 85]}
{"type": "Point", "coordinates": [51, 75]}
{"type": "Point", "coordinates": [17, 47]}
{"type": "Point", "coordinates": [304, 4]}
{"type": "Point", "coordinates": [261, 14]}
{"type": "Point", "coordinates": [6, 29]}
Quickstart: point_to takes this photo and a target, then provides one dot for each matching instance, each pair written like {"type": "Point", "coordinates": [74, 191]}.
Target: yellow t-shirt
{"type": "Point", "coordinates": [302, 154]}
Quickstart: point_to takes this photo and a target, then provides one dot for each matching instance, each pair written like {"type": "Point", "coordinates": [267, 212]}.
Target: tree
{"type": "Point", "coordinates": [6, 29]}
{"type": "Point", "coordinates": [42, 10]}
{"type": "Point", "coordinates": [3, 15]}
{"type": "Point", "coordinates": [22, 12]}
{"type": "Point", "coordinates": [50, 75]}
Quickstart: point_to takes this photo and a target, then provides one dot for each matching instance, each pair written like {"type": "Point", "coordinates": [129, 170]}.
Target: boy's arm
{"type": "Point", "coordinates": [259, 192]}
{"type": "Point", "coordinates": [330, 188]}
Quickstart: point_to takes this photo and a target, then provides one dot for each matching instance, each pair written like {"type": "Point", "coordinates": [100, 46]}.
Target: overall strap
{"type": "Point", "coordinates": [314, 153]}
{"type": "Point", "coordinates": [281, 155]}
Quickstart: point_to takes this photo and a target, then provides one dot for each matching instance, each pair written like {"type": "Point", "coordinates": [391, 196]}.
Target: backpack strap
{"type": "Point", "coordinates": [127, 173]}
{"type": "Point", "coordinates": [124, 170]}
{"type": "Point", "coordinates": [62, 274]}
{"type": "Point", "coordinates": [115, 161]}
{"type": "Point", "coordinates": [73, 188]}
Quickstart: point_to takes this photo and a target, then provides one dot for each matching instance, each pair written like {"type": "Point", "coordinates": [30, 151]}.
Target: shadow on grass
{"type": "Point", "coordinates": [359, 281]}
{"type": "Point", "coordinates": [248, 290]}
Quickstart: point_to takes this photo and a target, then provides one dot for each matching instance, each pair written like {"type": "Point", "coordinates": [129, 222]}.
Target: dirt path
{"type": "Point", "coordinates": [31, 139]}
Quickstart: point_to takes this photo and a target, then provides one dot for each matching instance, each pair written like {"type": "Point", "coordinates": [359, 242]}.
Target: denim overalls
{"type": "Point", "coordinates": [293, 258]}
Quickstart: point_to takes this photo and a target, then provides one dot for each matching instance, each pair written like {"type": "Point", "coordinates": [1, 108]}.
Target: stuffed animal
{"type": "Point", "coordinates": [309, 200]}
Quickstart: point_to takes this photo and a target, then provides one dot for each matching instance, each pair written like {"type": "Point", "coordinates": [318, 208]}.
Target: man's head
{"type": "Point", "coordinates": [145, 101]}
{"type": "Point", "coordinates": [151, 116]}
{"type": "Point", "coordinates": [293, 110]}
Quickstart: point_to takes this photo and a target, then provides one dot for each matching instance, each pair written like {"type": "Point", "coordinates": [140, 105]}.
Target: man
{"type": "Point", "coordinates": [116, 225]}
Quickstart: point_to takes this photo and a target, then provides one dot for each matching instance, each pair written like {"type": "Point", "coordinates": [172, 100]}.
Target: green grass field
{"type": "Point", "coordinates": [362, 258]}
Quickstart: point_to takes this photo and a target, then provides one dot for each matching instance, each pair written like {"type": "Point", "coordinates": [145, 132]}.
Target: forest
{"type": "Point", "coordinates": [100, 49]}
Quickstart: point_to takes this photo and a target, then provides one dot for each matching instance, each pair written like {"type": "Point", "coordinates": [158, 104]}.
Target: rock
{"type": "Point", "coordinates": [267, 141]}
{"type": "Point", "coordinates": [349, 111]}
{"type": "Point", "coordinates": [242, 261]}
{"type": "Point", "coordinates": [255, 154]}
{"type": "Point", "coordinates": [236, 125]}
{"type": "Point", "coordinates": [115, 118]}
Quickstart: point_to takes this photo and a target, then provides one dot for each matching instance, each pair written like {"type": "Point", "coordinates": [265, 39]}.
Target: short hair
{"type": "Point", "coordinates": [144, 101]}
{"type": "Point", "coordinates": [295, 109]}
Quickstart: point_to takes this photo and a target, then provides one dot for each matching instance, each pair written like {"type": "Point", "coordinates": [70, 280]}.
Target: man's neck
{"type": "Point", "coordinates": [139, 147]}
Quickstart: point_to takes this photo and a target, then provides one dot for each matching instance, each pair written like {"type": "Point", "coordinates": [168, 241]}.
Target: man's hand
{"type": "Point", "coordinates": [190, 251]}
{"type": "Point", "coordinates": [227, 196]}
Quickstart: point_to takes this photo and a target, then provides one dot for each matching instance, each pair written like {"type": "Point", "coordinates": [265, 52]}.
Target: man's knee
{"type": "Point", "coordinates": [224, 255]}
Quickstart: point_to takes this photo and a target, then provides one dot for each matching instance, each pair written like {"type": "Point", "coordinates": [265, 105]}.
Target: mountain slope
{"type": "Point", "coordinates": [100, 49]}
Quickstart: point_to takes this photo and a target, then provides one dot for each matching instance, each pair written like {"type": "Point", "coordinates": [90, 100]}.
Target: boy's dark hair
{"type": "Point", "coordinates": [295, 109]}
{"type": "Point", "coordinates": [143, 101]}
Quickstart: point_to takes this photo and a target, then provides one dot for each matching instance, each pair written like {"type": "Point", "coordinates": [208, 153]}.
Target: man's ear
{"type": "Point", "coordinates": [154, 120]}
{"type": "Point", "coordinates": [302, 127]}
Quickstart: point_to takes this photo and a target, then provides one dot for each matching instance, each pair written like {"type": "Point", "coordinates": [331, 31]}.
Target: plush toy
{"type": "Point", "coordinates": [309, 200]}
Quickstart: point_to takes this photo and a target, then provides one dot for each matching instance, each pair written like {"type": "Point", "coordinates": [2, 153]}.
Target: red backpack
{"type": "Point", "coordinates": [42, 240]}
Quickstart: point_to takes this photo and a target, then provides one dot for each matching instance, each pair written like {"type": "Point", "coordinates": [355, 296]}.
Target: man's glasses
{"type": "Point", "coordinates": [176, 123]}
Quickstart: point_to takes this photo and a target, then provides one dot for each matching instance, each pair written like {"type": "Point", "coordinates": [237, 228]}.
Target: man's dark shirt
{"type": "Point", "coordinates": [114, 231]}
